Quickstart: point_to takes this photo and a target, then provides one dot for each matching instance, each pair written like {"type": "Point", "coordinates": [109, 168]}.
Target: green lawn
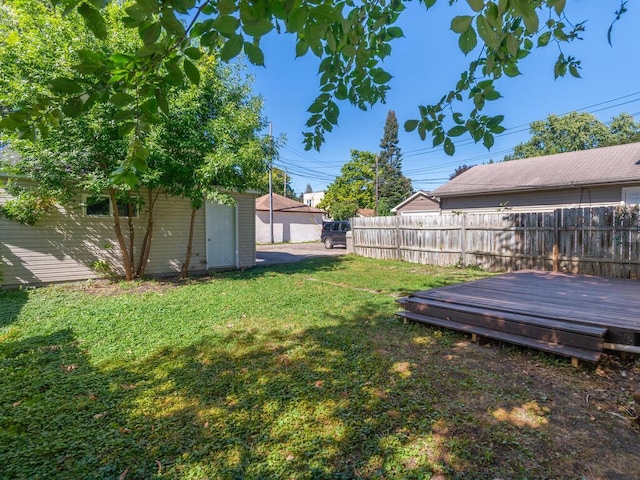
{"type": "Point", "coordinates": [297, 371]}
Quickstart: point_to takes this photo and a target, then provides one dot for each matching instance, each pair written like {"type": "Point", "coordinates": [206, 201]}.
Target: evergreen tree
{"type": "Point", "coordinates": [308, 189]}
{"type": "Point", "coordinates": [393, 186]}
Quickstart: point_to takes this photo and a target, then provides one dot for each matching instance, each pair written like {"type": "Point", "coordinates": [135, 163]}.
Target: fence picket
{"type": "Point", "coordinates": [598, 241]}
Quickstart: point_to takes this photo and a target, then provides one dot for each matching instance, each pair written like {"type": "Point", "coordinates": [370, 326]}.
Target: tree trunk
{"type": "Point", "coordinates": [126, 260]}
{"type": "Point", "coordinates": [145, 251]}
{"type": "Point", "coordinates": [184, 273]}
{"type": "Point", "coordinates": [131, 235]}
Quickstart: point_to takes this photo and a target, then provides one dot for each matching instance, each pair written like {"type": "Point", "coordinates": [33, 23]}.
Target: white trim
{"type": "Point", "coordinates": [87, 196]}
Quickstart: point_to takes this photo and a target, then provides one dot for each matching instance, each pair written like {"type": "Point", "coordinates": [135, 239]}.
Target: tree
{"type": "Point", "coordinates": [355, 185]}
{"type": "Point", "coordinates": [208, 141]}
{"type": "Point", "coordinates": [575, 131]}
{"type": "Point", "coordinates": [281, 184]}
{"type": "Point", "coordinates": [308, 188]}
{"type": "Point", "coordinates": [343, 210]}
{"type": "Point", "coordinates": [460, 170]}
{"type": "Point", "coordinates": [393, 186]}
{"type": "Point", "coordinates": [351, 40]}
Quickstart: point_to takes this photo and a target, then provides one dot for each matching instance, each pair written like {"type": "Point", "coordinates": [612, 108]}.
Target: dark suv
{"type": "Point", "coordinates": [335, 233]}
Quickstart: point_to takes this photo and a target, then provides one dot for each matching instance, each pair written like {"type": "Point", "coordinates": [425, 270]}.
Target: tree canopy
{"type": "Point", "coordinates": [355, 185]}
{"type": "Point", "coordinates": [207, 144]}
{"type": "Point", "coordinates": [393, 186]}
{"type": "Point", "coordinates": [350, 39]}
{"type": "Point", "coordinates": [575, 131]}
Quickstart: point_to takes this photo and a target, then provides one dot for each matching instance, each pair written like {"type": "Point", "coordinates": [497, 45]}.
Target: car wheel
{"type": "Point", "coordinates": [328, 243]}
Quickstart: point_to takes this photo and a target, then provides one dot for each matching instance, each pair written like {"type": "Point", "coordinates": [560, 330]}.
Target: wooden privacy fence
{"type": "Point", "coordinates": [601, 241]}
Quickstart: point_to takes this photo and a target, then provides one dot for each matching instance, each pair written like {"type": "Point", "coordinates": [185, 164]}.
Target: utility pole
{"type": "Point", "coordinates": [284, 186]}
{"type": "Point", "coordinates": [271, 181]}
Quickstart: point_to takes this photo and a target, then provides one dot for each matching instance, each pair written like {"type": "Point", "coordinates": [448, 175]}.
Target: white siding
{"type": "Point", "coordinates": [246, 230]}
{"type": "Point", "coordinates": [288, 227]}
{"type": "Point", "coordinates": [63, 245]}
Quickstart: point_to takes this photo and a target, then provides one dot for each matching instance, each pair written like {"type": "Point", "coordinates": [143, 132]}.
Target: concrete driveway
{"type": "Point", "coordinates": [293, 252]}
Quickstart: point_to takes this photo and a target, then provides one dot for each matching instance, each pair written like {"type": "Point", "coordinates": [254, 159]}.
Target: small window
{"type": "Point", "coordinates": [97, 206]}
{"type": "Point", "coordinates": [335, 227]}
{"type": "Point", "coordinates": [123, 210]}
{"type": "Point", "coordinates": [631, 195]}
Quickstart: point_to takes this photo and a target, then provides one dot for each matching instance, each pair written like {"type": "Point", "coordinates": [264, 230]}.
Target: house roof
{"type": "Point", "coordinates": [599, 166]}
{"type": "Point", "coordinates": [366, 212]}
{"type": "Point", "coordinates": [419, 193]}
{"type": "Point", "coordinates": [284, 204]}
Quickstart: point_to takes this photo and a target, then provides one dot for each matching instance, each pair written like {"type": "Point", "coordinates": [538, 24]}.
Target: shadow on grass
{"type": "Point", "coordinates": [320, 403]}
{"type": "Point", "coordinates": [11, 303]}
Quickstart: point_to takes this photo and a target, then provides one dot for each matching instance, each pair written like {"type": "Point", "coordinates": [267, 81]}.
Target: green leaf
{"type": "Point", "coordinates": [125, 128]}
{"type": "Point", "coordinates": [93, 20]}
{"type": "Point", "coordinates": [316, 107]}
{"type": "Point", "coordinates": [152, 33]}
{"type": "Point", "coordinates": [193, 53]}
{"type": "Point", "coordinates": [226, 25]}
{"type": "Point", "coordinates": [297, 19]}
{"type": "Point", "coordinates": [193, 74]}
{"type": "Point", "coordinates": [232, 47]}
{"type": "Point", "coordinates": [512, 45]}
{"type": "Point", "coordinates": [395, 32]}
{"type": "Point", "coordinates": [254, 54]}
{"type": "Point", "coordinates": [302, 48]}
{"type": "Point", "coordinates": [486, 32]}
{"type": "Point", "coordinates": [543, 40]}
{"type": "Point", "coordinates": [468, 40]}
{"type": "Point", "coordinates": [121, 99]}
{"type": "Point", "coordinates": [65, 86]}
{"type": "Point", "coordinates": [476, 5]}
{"type": "Point", "coordinates": [529, 14]}
{"type": "Point", "coordinates": [488, 140]}
{"type": "Point", "coordinates": [162, 102]}
{"type": "Point", "coordinates": [381, 77]}
{"type": "Point", "coordinates": [449, 147]}
{"type": "Point", "coordinates": [511, 70]}
{"type": "Point", "coordinates": [341, 92]}
{"type": "Point", "coordinates": [559, 6]}
{"type": "Point", "coordinates": [258, 27]}
{"type": "Point", "coordinates": [573, 70]}
{"type": "Point", "coordinates": [457, 131]}
{"type": "Point", "coordinates": [225, 7]}
{"type": "Point", "coordinates": [332, 113]}
{"type": "Point", "coordinates": [461, 23]}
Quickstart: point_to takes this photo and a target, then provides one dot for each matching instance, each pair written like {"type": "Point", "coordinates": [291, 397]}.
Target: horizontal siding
{"type": "Point", "coordinates": [171, 235]}
{"type": "Point", "coordinates": [419, 204]}
{"type": "Point", "coordinates": [540, 200]}
{"type": "Point", "coordinates": [246, 211]}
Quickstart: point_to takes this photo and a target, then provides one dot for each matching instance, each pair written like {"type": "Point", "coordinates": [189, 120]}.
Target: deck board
{"type": "Point", "coordinates": [544, 304]}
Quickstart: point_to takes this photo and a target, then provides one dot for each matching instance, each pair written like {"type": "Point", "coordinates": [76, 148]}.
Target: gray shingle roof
{"type": "Point", "coordinates": [599, 166]}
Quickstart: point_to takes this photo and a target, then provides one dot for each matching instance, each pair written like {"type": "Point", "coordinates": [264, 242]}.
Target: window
{"type": "Point", "coordinates": [97, 206]}
{"type": "Point", "coordinates": [631, 196]}
{"type": "Point", "coordinates": [123, 210]}
{"type": "Point", "coordinates": [100, 206]}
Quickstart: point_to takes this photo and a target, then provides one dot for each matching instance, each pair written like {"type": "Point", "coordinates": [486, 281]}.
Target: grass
{"type": "Point", "coordinates": [296, 371]}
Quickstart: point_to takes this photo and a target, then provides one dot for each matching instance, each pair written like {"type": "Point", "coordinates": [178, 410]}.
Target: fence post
{"type": "Point", "coordinates": [398, 239]}
{"type": "Point", "coordinates": [463, 241]}
{"type": "Point", "coordinates": [556, 240]}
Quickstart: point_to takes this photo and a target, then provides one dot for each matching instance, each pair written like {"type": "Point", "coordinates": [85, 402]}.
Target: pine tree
{"type": "Point", "coordinates": [393, 186]}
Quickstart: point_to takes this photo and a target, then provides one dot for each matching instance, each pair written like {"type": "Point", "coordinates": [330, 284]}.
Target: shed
{"type": "Point", "coordinates": [420, 203]}
{"type": "Point", "coordinates": [588, 178]}
{"type": "Point", "coordinates": [292, 221]}
{"type": "Point", "coordinates": [66, 244]}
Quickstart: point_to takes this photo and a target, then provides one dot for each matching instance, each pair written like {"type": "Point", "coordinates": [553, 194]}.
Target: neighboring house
{"type": "Point", "coordinates": [64, 245]}
{"type": "Point", "coordinates": [420, 203]}
{"type": "Point", "coordinates": [292, 221]}
{"type": "Point", "coordinates": [312, 199]}
{"type": "Point", "coordinates": [365, 212]}
{"type": "Point", "coordinates": [587, 178]}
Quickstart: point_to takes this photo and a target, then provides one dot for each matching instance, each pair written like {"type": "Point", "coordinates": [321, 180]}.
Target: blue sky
{"type": "Point", "coordinates": [426, 64]}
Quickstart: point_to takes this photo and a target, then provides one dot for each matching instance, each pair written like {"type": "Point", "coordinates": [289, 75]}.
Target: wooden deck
{"type": "Point", "coordinates": [576, 316]}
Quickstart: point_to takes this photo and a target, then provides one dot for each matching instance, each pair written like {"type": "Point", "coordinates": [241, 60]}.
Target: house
{"type": "Point", "coordinates": [420, 203]}
{"type": "Point", "coordinates": [589, 178]}
{"type": "Point", "coordinates": [292, 221]}
{"type": "Point", "coordinates": [69, 242]}
{"type": "Point", "coordinates": [365, 212]}
{"type": "Point", "coordinates": [312, 199]}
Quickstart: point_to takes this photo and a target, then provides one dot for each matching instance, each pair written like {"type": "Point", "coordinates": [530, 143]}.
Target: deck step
{"type": "Point", "coordinates": [516, 339]}
{"type": "Point", "coordinates": [571, 334]}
